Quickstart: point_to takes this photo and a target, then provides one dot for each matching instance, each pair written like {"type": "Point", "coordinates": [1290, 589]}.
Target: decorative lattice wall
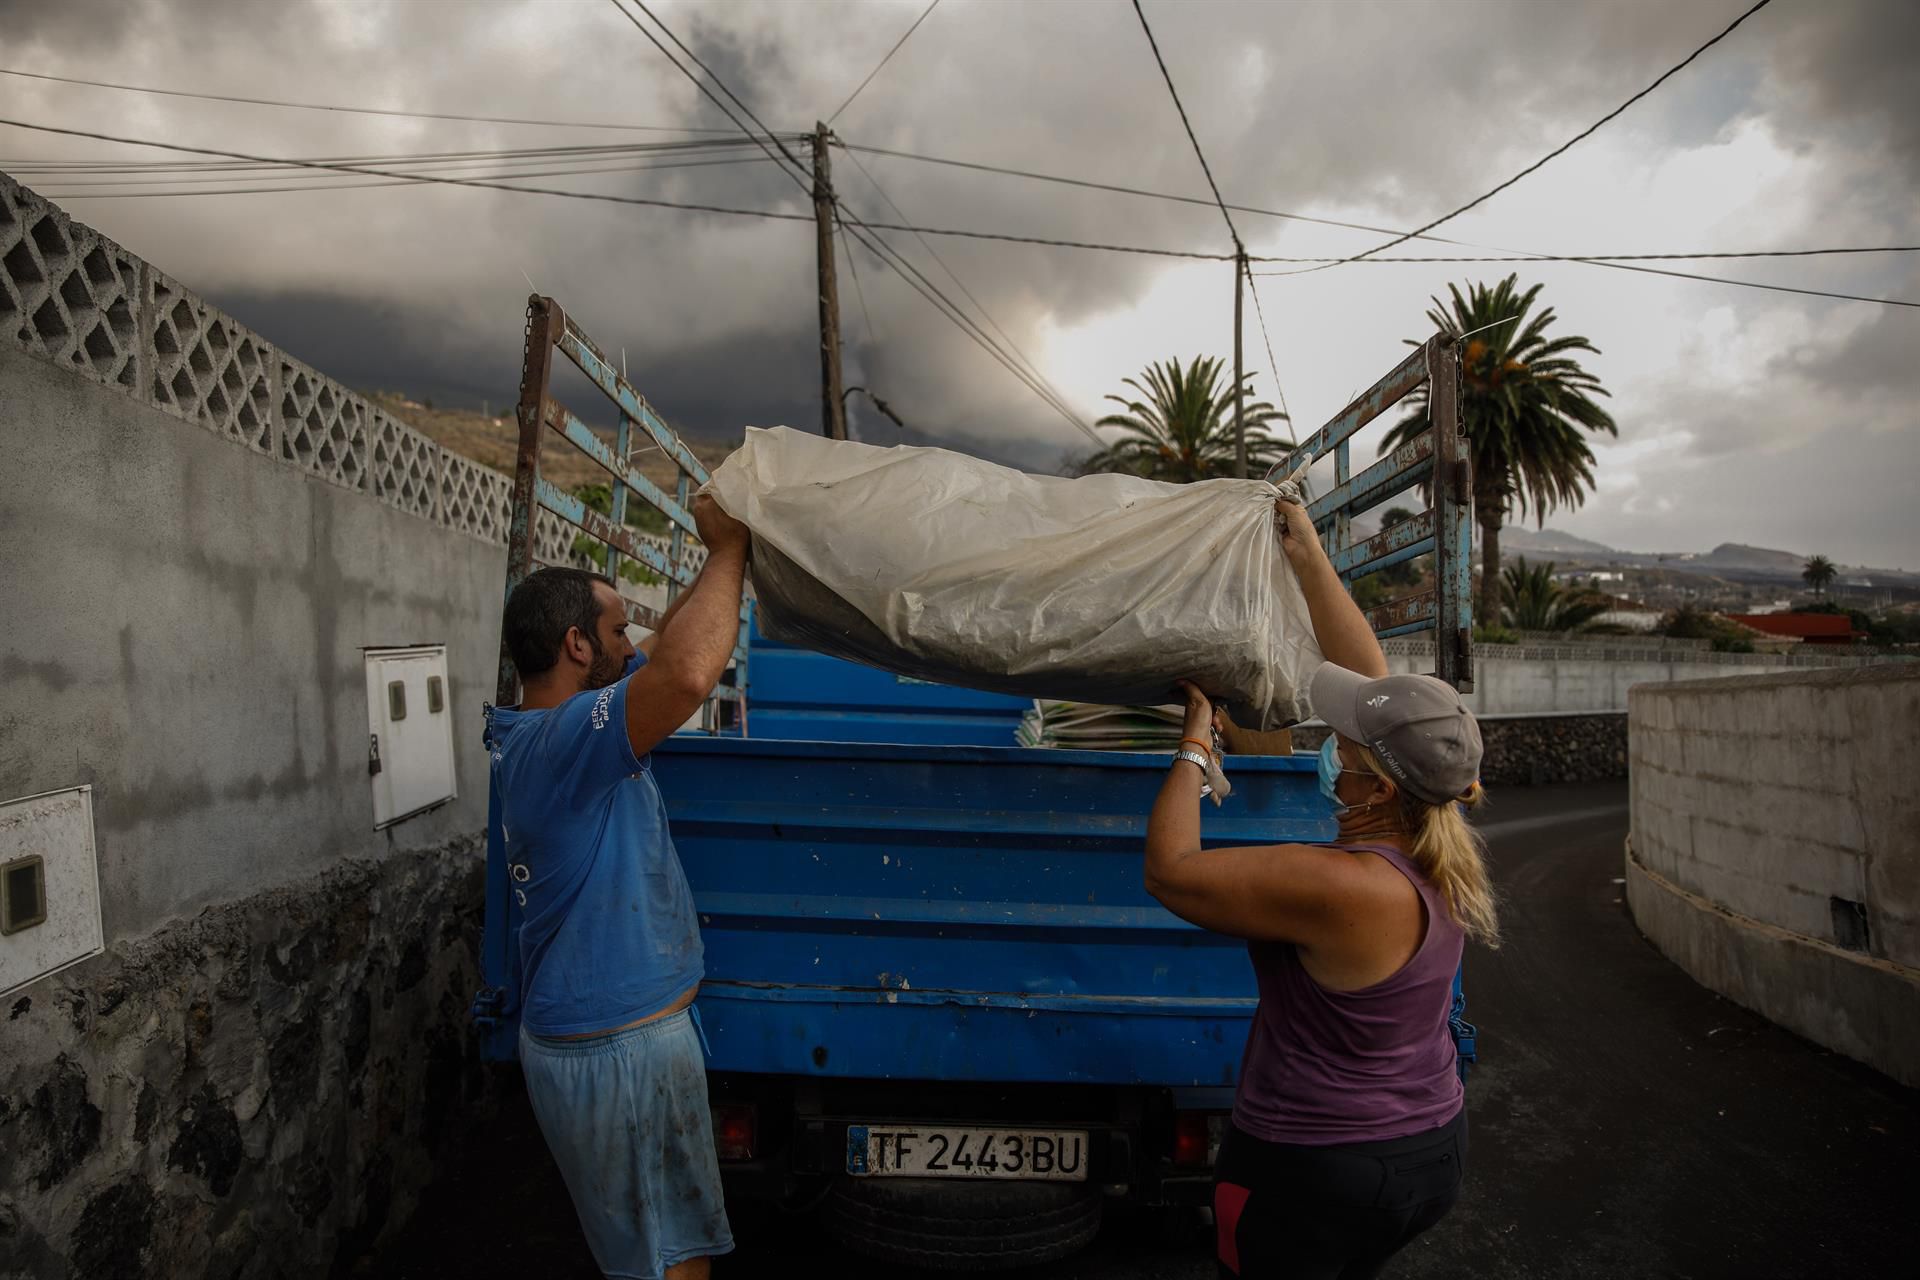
{"type": "Point", "coordinates": [70, 295]}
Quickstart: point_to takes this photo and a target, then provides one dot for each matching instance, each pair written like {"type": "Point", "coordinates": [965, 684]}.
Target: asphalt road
{"type": "Point", "coordinates": [1624, 1122]}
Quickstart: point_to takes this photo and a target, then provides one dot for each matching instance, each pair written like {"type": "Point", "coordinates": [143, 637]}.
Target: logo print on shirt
{"type": "Point", "coordinates": [602, 705]}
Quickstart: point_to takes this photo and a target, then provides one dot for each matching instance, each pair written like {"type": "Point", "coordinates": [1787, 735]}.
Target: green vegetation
{"type": "Point", "coordinates": [1691, 623]}
{"type": "Point", "coordinates": [1524, 403]}
{"type": "Point", "coordinates": [1819, 573]}
{"type": "Point", "coordinates": [1371, 591]}
{"type": "Point", "coordinates": [1533, 601]}
{"type": "Point", "coordinates": [639, 515]}
{"type": "Point", "coordinates": [1179, 426]}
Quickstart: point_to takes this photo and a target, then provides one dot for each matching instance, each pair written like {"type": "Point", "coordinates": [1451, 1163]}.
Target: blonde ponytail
{"type": "Point", "coordinates": [1450, 853]}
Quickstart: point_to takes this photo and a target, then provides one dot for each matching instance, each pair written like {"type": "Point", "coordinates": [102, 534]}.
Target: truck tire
{"type": "Point", "coordinates": [944, 1224]}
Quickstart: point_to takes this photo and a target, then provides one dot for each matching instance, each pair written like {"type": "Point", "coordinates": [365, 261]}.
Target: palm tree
{"type": "Point", "coordinates": [1179, 426]}
{"type": "Point", "coordinates": [1523, 404]}
{"type": "Point", "coordinates": [1819, 573]}
{"type": "Point", "coordinates": [1535, 602]}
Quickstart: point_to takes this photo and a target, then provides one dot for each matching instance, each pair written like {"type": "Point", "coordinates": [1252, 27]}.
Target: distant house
{"type": "Point", "coordinates": [1808, 628]}
{"type": "Point", "coordinates": [1629, 615]}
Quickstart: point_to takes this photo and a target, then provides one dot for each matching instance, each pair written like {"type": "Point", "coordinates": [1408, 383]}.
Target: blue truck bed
{"type": "Point", "coordinates": [959, 913]}
{"type": "Point", "coordinates": [806, 696]}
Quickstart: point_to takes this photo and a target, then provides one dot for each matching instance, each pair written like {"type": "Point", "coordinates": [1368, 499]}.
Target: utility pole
{"type": "Point", "coordinates": [1239, 383]}
{"type": "Point", "coordinates": [833, 413]}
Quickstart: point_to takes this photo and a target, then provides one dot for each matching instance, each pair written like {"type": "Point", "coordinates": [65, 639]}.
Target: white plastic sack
{"type": "Point", "coordinates": [943, 567]}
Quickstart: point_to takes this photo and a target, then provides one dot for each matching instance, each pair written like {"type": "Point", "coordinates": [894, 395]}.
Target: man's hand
{"type": "Point", "coordinates": [1298, 538]}
{"type": "Point", "coordinates": [720, 531]}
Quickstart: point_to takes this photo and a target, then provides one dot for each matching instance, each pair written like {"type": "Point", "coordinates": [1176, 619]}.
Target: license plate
{"type": "Point", "coordinates": [1043, 1155]}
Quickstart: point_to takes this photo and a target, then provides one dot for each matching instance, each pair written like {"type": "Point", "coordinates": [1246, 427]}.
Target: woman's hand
{"type": "Point", "coordinates": [1298, 538]}
{"type": "Point", "coordinates": [1202, 719]}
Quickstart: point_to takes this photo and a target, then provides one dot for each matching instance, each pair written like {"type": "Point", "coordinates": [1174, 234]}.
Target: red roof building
{"type": "Point", "coordinates": [1808, 628]}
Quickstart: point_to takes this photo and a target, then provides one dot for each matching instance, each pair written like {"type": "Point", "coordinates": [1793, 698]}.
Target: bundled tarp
{"type": "Point", "coordinates": [1105, 589]}
{"type": "Point", "coordinates": [1086, 726]}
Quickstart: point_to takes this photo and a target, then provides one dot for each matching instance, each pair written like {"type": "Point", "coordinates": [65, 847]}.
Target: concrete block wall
{"type": "Point", "coordinates": [187, 620]}
{"type": "Point", "coordinates": [1566, 679]}
{"type": "Point", "coordinates": [1776, 848]}
{"type": "Point", "coordinates": [202, 533]}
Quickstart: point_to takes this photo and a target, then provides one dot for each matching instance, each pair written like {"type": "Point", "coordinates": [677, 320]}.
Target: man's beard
{"type": "Point", "coordinates": [605, 669]}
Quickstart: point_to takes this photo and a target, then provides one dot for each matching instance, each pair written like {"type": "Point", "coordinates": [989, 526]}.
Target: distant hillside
{"type": "Point", "coordinates": [1534, 541]}
{"type": "Point", "coordinates": [493, 442]}
{"type": "Point", "coordinates": [1734, 555]}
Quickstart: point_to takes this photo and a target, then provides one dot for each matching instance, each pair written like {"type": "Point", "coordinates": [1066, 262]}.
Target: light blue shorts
{"type": "Point", "coordinates": [626, 1118]}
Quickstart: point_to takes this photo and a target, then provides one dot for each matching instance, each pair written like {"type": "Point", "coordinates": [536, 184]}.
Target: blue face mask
{"type": "Point", "coordinates": [1330, 771]}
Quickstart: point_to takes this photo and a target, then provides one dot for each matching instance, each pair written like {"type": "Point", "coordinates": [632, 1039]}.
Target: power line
{"type": "Point", "coordinates": [884, 251]}
{"type": "Point", "coordinates": [362, 111]}
{"type": "Point", "coordinates": [1565, 146]}
{"type": "Point", "coordinates": [1118, 189]}
{"type": "Point", "coordinates": [854, 271]}
{"type": "Point", "coordinates": [440, 179]}
{"type": "Point", "coordinates": [648, 202]}
{"type": "Point", "coordinates": [883, 62]}
{"type": "Point", "coordinates": [1166, 75]}
{"type": "Point", "coordinates": [95, 168]}
{"type": "Point", "coordinates": [877, 245]}
{"type": "Point", "coordinates": [1610, 262]}
{"type": "Point", "coordinates": [406, 177]}
{"type": "Point", "coordinates": [901, 265]}
{"type": "Point", "coordinates": [946, 307]}
{"type": "Point", "coordinates": [1687, 275]}
{"type": "Point", "coordinates": [798, 173]}
{"type": "Point", "coordinates": [961, 284]}
{"type": "Point", "coordinates": [1272, 364]}
{"type": "Point", "coordinates": [1611, 257]}
{"type": "Point", "coordinates": [447, 180]}
{"type": "Point", "coordinates": [681, 147]}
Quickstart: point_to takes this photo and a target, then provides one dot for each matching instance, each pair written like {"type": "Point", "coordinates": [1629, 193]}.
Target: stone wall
{"type": "Point", "coordinates": [1534, 750]}
{"type": "Point", "coordinates": [255, 1092]}
{"type": "Point", "coordinates": [1774, 853]}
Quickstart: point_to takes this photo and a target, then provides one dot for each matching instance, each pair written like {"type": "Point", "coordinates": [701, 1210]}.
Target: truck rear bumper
{"type": "Point", "coordinates": [801, 1127]}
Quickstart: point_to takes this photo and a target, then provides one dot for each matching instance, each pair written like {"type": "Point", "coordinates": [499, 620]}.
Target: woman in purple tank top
{"type": "Point", "coordinates": [1349, 1128]}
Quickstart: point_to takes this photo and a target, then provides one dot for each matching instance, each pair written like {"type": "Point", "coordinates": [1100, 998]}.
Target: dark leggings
{"type": "Point", "coordinates": [1331, 1213]}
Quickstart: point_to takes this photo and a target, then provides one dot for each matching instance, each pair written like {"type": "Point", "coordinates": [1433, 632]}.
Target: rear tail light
{"type": "Point", "coordinates": [735, 1130]}
{"type": "Point", "coordinates": [1196, 1137]}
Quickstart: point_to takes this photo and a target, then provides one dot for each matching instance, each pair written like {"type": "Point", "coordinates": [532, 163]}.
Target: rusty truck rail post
{"type": "Point", "coordinates": [1436, 461]}
{"type": "Point", "coordinates": [537, 502]}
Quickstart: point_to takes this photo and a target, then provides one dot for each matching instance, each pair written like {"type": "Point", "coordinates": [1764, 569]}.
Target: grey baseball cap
{"type": "Point", "coordinates": [1416, 726]}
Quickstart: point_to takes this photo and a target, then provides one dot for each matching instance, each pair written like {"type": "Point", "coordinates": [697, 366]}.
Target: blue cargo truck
{"type": "Point", "coordinates": [941, 1006]}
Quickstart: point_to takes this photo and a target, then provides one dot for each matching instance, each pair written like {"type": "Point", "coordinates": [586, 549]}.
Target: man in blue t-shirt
{"type": "Point", "coordinates": [610, 953]}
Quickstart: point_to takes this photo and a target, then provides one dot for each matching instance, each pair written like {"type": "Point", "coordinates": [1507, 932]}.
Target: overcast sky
{"type": "Point", "coordinates": [1745, 415]}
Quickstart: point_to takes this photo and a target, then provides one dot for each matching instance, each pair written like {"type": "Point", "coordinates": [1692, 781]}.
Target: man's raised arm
{"type": "Point", "coordinates": [697, 635]}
